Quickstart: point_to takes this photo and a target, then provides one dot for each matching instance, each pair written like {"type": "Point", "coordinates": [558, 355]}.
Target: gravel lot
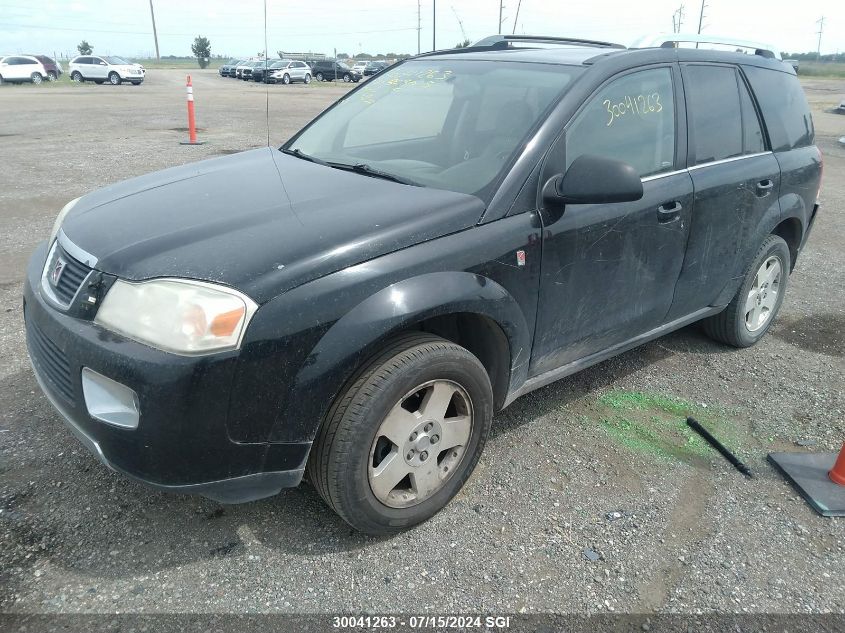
{"type": "Point", "coordinates": [691, 534]}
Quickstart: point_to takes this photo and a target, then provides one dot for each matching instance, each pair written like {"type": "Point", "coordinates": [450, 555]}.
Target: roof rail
{"type": "Point", "coordinates": [502, 42]}
{"type": "Point", "coordinates": [671, 40]}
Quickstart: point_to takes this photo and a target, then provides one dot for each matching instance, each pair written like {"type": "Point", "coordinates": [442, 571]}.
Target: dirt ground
{"type": "Point", "coordinates": [597, 463]}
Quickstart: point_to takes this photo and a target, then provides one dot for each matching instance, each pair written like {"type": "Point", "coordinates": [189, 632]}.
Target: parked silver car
{"type": "Point", "coordinates": [109, 68]}
{"type": "Point", "coordinates": [292, 72]}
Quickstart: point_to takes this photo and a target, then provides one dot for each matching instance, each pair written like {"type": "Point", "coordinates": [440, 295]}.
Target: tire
{"type": "Point", "coordinates": [307, 79]}
{"type": "Point", "coordinates": [1, 80]}
{"type": "Point", "coordinates": [114, 79]}
{"type": "Point", "coordinates": [51, 76]}
{"type": "Point", "coordinates": [347, 78]}
{"type": "Point", "coordinates": [342, 464]}
{"type": "Point", "coordinates": [286, 79]}
{"type": "Point", "coordinates": [756, 304]}
{"type": "Point", "coordinates": [319, 76]}
{"type": "Point", "coordinates": [136, 83]}
{"type": "Point", "coordinates": [36, 78]}
{"type": "Point", "coordinates": [99, 82]}
{"type": "Point", "coordinates": [76, 76]}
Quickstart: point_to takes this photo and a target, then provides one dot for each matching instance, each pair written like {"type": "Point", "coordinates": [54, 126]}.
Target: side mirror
{"type": "Point", "coordinates": [594, 180]}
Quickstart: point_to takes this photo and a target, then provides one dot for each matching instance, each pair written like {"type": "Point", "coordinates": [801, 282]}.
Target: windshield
{"type": "Point", "coordinates": [116, 60]}
{"type": "Point", "coordinates": [447, 124]}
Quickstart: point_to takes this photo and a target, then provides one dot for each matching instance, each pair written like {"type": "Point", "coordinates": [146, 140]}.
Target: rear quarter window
{"type": "Point", "coordinates": [784, 107]}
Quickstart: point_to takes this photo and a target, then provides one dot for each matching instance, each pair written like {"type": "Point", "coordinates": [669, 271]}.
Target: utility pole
{"type": "Point", "coordinates": [419, 26]}
{"type": "Point", "coordinates": [701, 17]}
{"type": "Point", "coordinates": [516, 18]}
{"type": "Point", "coordinates": [155, 34]}
{"type": "Point", "coordinates": [501, 6]}
{"type": "Point", "coordinates": [820, 22]}
{"type": "Point", "coordinates": [434, 25]}
{"type": "Point", "coordinates": [678, 19]}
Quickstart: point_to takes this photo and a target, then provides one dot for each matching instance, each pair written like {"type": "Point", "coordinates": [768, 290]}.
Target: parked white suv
{"type": "Point", "coordinates": [22, 68]}
{"type": "Point", "coordinates": [109, 68]}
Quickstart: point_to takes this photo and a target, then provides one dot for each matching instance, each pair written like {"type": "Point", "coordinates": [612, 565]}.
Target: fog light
{"type": "Point", "coordinates": [109, 401]}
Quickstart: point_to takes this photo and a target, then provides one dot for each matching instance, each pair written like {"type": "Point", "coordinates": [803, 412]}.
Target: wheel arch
{"type": "Point", "coordinates": [792, 232]}
{"type": "Point", "coordinates": [465, 308]}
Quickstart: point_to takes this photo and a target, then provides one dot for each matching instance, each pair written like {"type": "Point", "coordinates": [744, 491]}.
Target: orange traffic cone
{"type": "Point", "coordinates": [837, 473]}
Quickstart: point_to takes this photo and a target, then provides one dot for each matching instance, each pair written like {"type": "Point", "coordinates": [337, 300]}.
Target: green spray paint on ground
{"type": "Point", "coordinates": [655, 424]}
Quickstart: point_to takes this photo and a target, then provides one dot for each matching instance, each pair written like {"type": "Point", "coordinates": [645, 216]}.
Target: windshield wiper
{"type": "Point", "coordinates": [366, 170]}
{"type": "Point", "coordinates": [300, 154]}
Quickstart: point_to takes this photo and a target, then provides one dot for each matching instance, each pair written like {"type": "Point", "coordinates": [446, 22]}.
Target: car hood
{"type": "Point", "coordinates": [259, 221]}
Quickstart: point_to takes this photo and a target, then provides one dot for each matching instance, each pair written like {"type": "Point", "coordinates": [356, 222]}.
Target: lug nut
{"type": "Point", "coordinates": [413, 436]}
{"type": "Point", "coordinates": [428, 427]}
{"type": "Point", "coordinates": [424, 456]}
{"type": "Point", "coordinates": [410, 454]}
{"type": "Point", "coordinates": [435, 439]}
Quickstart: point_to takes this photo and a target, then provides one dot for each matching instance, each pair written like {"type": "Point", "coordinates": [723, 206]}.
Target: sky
{"type": "Point", "coordinates": [236, 27]}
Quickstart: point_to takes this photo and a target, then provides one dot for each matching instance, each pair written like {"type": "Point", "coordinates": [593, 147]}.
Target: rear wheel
{"type": "Point", "coordinates": [405, 436]}
{"type": "Point", "coordinates": [76, 76]}
{"type": "Point", "coordinates": [1, 80]}
{"type": "Point", "coordinates": [755, 305]}
{"type": "Point", "coordinates": [319, 76]}
{"type": "Point", "coordinates": [307, 78]}
{"type": "Point", "coordinates": [36, 78]}
{"type": "Point", "coordinates": [114, 79]}
{"type": "Point", "coordinates": [136, 83]}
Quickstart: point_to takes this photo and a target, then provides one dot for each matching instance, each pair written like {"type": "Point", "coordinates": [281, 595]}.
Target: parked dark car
{"type": "Point", "coordinates": [258, 73]}
{"type": "Point", "coordinates": [329, 70]}
{"type": "Point", "coordinates": [372, 292]}
{"type": "Point", "coordinates": [228, 69]}
{"type": "Point", "coordinates": [373, 68]}
{"type": "Point", "coordinates": [249, 68]}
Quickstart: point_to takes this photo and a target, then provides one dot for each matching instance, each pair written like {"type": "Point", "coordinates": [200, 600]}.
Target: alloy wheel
{"type": "Point", "coordinates": [420, 443]}
{"type": "Point", "coordinates": [763, 295]}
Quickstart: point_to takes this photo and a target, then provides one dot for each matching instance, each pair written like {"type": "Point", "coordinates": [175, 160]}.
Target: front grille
{"type": "Point", "coordinates": [50, 361]}
{"type": "Point", "coordinates": [71, 277]}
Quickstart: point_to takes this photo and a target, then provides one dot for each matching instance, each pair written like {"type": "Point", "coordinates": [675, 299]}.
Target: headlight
{"type": "Point", "coordinates": [61, 218]}
{"type": "Point", "coordinates": [177, 315]}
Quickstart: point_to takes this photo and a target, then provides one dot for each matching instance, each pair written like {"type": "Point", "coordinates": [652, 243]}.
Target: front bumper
{"type": "Point", "coordinates": [182, 442]}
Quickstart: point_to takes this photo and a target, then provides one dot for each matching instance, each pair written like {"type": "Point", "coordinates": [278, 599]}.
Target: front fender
{"type": "Point", "coordinates": [359, 333]}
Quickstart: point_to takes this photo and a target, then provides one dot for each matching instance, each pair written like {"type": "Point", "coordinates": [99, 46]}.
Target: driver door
{"type": "Point", "coordinates": [609, 270]}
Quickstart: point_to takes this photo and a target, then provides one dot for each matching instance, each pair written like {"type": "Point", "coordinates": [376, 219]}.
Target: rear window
{"type": "Point", "coordinates": [784, 106]}
{"type": "Point", "coordinates": [715, 112]}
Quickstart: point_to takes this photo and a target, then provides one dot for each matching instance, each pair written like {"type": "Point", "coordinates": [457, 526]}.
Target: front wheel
{"type": "Point", "coordinates": [114, 79]}
{"type": "Point", "coordinates": [286, 79]}
{"type": "Point", "coordinates": [347, 78]}
{"type": "Point", "coordinates": [36, 78]}
{"type": "Point", "coordinates": [405, 436]}
{"type": "Point", "coordinates": [755, 305]}
{"type": "Point", "coordinates": [319, 76]}
{"type": "Point", "coordinates": [51, 76]}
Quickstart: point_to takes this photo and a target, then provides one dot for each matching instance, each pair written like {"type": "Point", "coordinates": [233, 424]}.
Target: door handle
{"type": "Point", "coordinates": [669, 212]}
{"type": "Point", "coordinates": [764, 187]}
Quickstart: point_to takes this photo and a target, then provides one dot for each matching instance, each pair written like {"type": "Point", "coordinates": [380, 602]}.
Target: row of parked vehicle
{"type": "Point", "coordinates": [99, 69]}
{"type": "Point", "coordinates": [287, 71]}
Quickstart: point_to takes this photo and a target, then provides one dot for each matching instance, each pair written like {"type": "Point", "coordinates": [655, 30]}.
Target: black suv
{"type": "Point", "coordinates": [497, 217]}
{"type": "Point", "coordinates": [329, 70]}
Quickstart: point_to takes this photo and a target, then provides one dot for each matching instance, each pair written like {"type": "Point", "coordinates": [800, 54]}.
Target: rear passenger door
{"type": "Point", "coordinates": [735, 180]}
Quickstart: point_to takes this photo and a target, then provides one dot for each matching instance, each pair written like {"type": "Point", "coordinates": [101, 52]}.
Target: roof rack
{"type": "Point", "coordinates": [671, 40]}
{"type": "Point", "coordinates": [503, 42]}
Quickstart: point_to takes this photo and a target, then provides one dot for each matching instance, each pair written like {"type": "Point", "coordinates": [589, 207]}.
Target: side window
{"type": "Point", "coordinates": [715, 113]}
{"type": "Point", "coordinates": [630, 119]}
{"type": "Point", "coordinates": [752, 133]}
{"type": "Point", "coordinates": [784, 107]}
